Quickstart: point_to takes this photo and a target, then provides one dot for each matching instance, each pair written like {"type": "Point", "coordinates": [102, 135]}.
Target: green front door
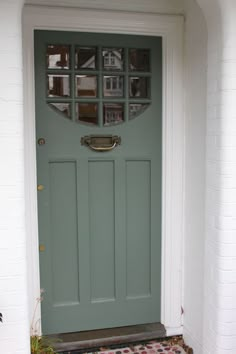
{"type": "Point", "coordinates": [98, 116]}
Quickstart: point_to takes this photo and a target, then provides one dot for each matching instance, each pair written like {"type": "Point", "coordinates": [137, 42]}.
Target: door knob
{"type": "Point", "coordinates": [41, 141]}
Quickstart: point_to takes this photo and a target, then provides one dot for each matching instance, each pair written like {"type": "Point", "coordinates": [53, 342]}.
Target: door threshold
{"type": "Point", "coordinates": [108, 337]}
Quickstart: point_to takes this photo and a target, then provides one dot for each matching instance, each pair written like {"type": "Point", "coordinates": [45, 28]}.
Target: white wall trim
{"type": "Point", "coordinates": [192, 341]}
{"type": "Point", "coordinates": [174, 331]}
{"type": "Point", "coordinates": [151, 6]}
{"type": "Point", "coordinates": [171, 29]}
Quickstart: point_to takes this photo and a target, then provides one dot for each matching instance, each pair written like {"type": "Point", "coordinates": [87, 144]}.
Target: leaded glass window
{"type": "Point", "coordinates": [98, 86]}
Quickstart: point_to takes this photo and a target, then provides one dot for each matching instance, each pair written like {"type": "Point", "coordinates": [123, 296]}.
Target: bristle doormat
{"type": "Point", "coordinates": [152, 347]}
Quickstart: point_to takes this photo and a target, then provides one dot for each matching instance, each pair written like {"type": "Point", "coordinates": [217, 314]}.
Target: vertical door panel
{"type": "Point", "coordinates": [102, 234]}
{"type": "Point", "coordinates": [64, 241]}
{"type": "Point", "coordinates": [138, 228]}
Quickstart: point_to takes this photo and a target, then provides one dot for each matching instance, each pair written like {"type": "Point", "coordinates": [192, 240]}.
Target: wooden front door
{"type": "Point", "coordinates": [98, 114]}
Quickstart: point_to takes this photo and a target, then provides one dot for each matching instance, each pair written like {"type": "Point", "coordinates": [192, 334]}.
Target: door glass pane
{"type": "Point", "coordinates": [86, 86]}
{"type": "Point", "coordinates": [112, 76]}
{"type": "Point", "coordinates": [86, 58]}
{"type": "Point", "coordinates": [136, 109]}
{"type": "Point", "coordinates": [87, 113]}
{"type": "Point", "coordinates": [113, 58]}
{"type": "Point", "coordinates": [139, 87]}
{"type": "Point", "coordinates": [113, 86]}
{"type": "Point", "coordinates": [139, 60]}
{"type": "Point", "coordinates": [58, 56]}
{"type": "Point", "coordinates": [64, 108]}
{"type": "Point", "coordinates": [58, 85]}
{"type": "Point", "coordinates": [113, 113]}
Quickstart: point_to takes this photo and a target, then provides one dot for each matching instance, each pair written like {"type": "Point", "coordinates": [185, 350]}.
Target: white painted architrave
{"type": "Point", "coordinates": [171, 29]}
{"type": "Point", "coordinates": [150, 6]}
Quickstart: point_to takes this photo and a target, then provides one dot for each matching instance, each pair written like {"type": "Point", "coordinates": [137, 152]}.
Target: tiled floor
{"type": "Point", "coordinates": [152, 347]}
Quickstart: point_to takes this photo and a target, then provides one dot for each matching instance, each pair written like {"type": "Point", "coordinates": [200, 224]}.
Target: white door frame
{"type": "Point", "coordinates": [171, 30]}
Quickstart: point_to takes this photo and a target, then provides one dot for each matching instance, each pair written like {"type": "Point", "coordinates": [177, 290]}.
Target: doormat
{"type": "Point", "coordinates": [168, 346]}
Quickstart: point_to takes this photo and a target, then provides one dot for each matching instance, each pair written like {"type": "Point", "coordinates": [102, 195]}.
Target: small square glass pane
{"type": "Point", "coordinates": [87, 113]}
{"type": "Point", "coordinates": [86, 86]}
{"type": "Point", "coordinates": [58, 85]}
{"type": "Point", "coordinates": [139, 87]}
{"type": "Point", "coordinates": [139, 59]}
{"type": "Point", "coordinates": [58, 57]}
{"type": "Point", "coordinates": [113, 59]}
{"type": "Point", "coordinates": [86, 58]}
{"type": "Point", "coordinates": [63, 108]}
{"type": "Point", "coordinates": [135, 109]}
{"type": "Point", "coordinates": [113, 86]}
{"type": "Point", "coordinates": [113, 113]}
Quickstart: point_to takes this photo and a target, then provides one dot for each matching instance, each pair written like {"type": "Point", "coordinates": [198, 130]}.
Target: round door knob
{"type": "Point", "coordinates": [41, 141]}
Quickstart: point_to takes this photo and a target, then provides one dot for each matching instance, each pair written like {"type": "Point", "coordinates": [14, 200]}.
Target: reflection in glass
{"type": "Point", "coordinates": [113, 86]}
{"type": "Point", "coordinates": [85, 58]}
{"type": "Point", "coordinates": [113, 113]}
{"type": "Point", "coordinates": [86, 86]}
{"type": "Point", "coordinates": [58, 57]}
{"type": "Point", "coordinates": [113, 58]}
{"type": "Point", "coordinates": [139, 87]}
{"type": "Point", "coordinates": [137, 109]}
{"type": "Point", "coordinates": [63, 108]}
{"type": "Point", "coordinates": [87, 113]}
{"type": "Point", "coordinates": [58, 86]}
{"type": "Point", "coordinates": [139, 59]}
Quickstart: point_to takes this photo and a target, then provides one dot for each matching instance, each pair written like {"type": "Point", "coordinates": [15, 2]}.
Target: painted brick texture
{"type": "Point", "coordinates": [14, 338]}
{"type": "Point", "coordinates": [219, 330]}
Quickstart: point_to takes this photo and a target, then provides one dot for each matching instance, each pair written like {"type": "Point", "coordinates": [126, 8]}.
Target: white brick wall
{"type": "Point", "coordinates": [219, 315]}
{"type": "Point", "coordinates": [219, 327]}
{"type": "Point", "coordinates": [14, 332]}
